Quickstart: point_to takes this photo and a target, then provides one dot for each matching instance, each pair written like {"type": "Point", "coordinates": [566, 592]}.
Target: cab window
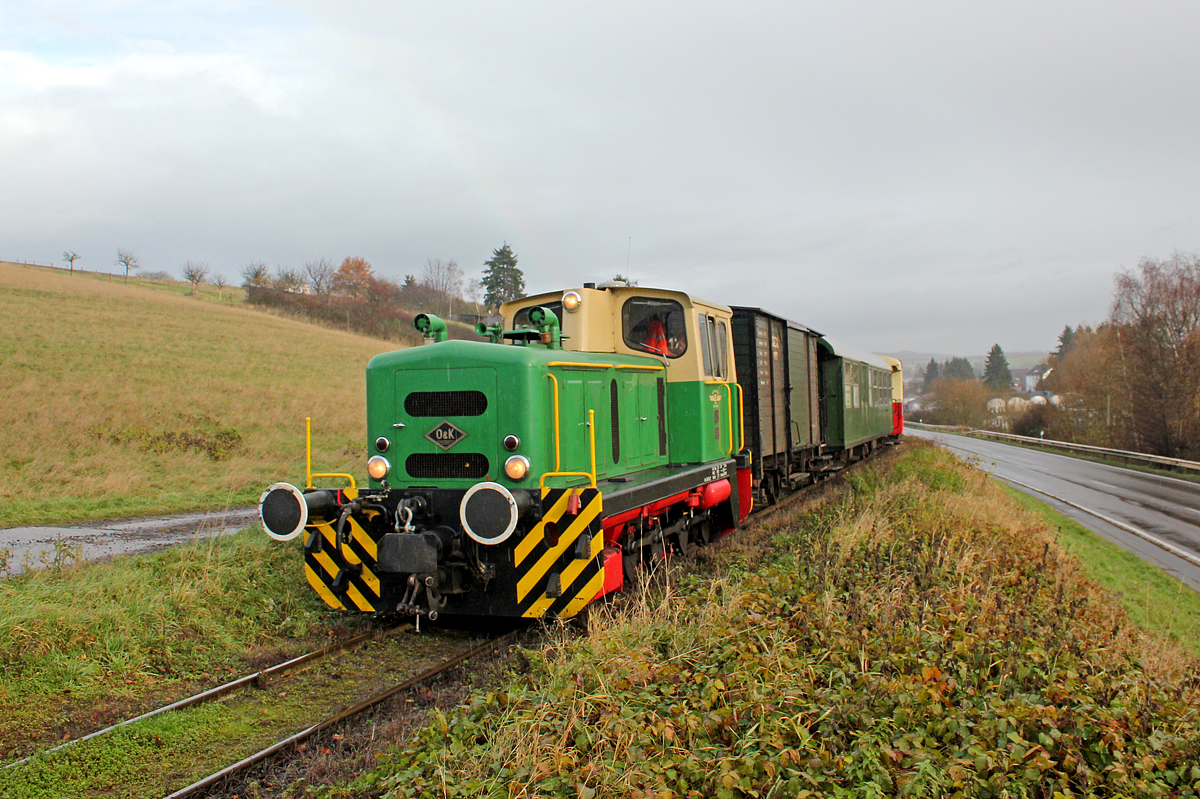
{"type": "Point", "coordinates": [712, 345]}
{"type": "Point", "coordinates": [654, 326]}
{"type": "Point", "coordinates": [705, 347]}
{"type": "Point", "coordinates": [722, 355]}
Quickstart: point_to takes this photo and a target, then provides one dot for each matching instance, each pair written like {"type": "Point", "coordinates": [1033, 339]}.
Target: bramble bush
{"type": "Point", "coordinates": [914, 636]}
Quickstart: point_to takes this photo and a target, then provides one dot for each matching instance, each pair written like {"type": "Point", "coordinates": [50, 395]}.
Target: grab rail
{"type": "Point", "coordinates": [308, 472]}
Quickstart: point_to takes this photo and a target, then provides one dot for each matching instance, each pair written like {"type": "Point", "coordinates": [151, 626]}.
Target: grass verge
{"type": "Point", "coordinates": [1153, 599]}
{"type": "Point", "coordinates": [916, 635]}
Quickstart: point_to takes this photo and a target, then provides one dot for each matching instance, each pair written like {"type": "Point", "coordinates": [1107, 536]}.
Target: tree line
{"type": "Point", "coordinates": [441, 281]}
{"type": "Point", "coordinates": [1133, 381]}
{"type": "Point", "coordinates": [354, 296]}
{"type": "Point", "coordinates": [439, 289]}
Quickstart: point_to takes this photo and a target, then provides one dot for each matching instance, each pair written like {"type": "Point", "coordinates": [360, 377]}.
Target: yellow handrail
{"type": "Point", "coordinates": [741, 418]}
{"type": "Point", "coordinates": [557, 464]}
{"type": "Point", "coordinates": [729, 389]}
{"type": "Point", "coordinates": [581, 365]}
{"type": "Point", "coordinates": [592, 474]}
{"type": "Point", "coordinates": [654, 368]}
{"type": "Point", "coordinates": [592, 437]}
{"type": "Point", "coordinates": [308, 472]}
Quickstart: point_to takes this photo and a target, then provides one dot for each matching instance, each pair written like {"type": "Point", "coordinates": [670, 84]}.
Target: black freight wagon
{"type": "Point", "coordinates": [778, 368]}
{"type": "Point", "coordinates": [809, 405]}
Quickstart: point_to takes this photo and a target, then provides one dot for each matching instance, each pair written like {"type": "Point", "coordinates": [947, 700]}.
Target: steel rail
{"type": "Point", "coordinates": [340, 716]}
{"type": "Point", "coordinates": [256, 678]}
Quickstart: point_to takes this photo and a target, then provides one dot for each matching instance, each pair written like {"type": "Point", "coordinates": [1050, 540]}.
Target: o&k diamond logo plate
{"type": "Point", "coordinates": [445, 435]}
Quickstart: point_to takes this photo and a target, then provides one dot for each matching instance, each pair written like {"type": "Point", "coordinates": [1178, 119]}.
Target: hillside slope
{"type": "Point", "coordinates": [118, 400]}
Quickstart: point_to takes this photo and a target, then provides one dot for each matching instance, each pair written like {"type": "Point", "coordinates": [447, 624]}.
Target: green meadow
{"type": "Point", "coordinates": [119, 399]}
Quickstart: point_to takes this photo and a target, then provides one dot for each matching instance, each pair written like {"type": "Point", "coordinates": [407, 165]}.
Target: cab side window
{"type": "Point", "coordinates": [654, 326]}
{"type": "Point", "coordinates": [712, 343]}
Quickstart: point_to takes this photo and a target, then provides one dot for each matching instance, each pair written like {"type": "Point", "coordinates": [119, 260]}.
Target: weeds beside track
{"type": "Point", "coordinates": [913, 633]}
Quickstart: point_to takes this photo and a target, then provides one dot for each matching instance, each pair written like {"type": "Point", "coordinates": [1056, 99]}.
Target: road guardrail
{"type": "Point", "coordinates": [1177, 463]}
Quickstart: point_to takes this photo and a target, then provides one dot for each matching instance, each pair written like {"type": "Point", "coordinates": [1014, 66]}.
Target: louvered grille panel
{"type": "Point", "coordinates": [662, 417]}
{"type": "Point", "coordinates": [446, 465]}
{"type": "Point", "coordinates": [445, 403]}
{"type": "Point", "coordinates": [616, 422]}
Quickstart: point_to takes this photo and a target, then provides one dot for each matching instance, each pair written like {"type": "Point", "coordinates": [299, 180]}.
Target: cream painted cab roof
{"type": "Point", "coordinates": [551, 296]}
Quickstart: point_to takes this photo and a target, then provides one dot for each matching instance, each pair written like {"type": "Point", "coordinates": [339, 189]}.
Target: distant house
{"type": "Point", "coordinates": [1027, 379]}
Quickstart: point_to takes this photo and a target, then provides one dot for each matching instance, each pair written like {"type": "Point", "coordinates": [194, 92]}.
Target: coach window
{"type": "Point", "coordinates": [654, 325]}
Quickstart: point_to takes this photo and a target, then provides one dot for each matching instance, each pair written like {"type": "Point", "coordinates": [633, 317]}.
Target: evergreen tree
{"type": "Point", "coordinates": [996, 374]}
{"type": "Point", "coordinates": [931, 373]}
{"type": "Point", "coordinates": [959, 368]}
{"type": "Point", "coordinates": [502, 280]}
{"type": "Point", "coordinates": [1066, 340]}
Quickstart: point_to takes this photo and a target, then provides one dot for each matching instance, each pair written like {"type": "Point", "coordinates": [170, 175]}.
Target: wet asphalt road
{"type": "Point", "coordinates": [35, 546]}
{"type": "Point", "coordinates": [1153, 516]}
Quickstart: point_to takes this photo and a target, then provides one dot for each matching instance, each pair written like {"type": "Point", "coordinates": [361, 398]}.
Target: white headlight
{"type": "Point", "coordinates": [378, 467]}
{"type": "Point", "coordinates": [516, 467]}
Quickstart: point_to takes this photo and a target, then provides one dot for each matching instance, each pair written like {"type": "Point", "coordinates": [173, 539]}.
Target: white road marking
{"type": "Point", "coordinates": [1129, 528]}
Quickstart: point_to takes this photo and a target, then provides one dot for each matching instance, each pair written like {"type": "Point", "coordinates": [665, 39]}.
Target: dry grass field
{"type": "Point", "coordinates": [120, 399]}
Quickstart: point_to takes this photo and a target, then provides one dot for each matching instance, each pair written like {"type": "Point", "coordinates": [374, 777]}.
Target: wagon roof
{"type": "Point", "coordinates": [854, 354]}
{"type": "Point", "coordinates": [790, 323]}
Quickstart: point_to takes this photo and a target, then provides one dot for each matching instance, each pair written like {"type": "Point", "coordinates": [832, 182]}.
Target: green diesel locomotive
{"type": "Point", "coordinates": [596, 429]}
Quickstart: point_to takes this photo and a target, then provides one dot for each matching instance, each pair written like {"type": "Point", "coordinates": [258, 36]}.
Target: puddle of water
{"type": "Point", "coordinates": [36, 547]}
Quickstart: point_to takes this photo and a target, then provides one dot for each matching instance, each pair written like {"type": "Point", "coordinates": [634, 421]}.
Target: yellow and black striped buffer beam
{"type": "Point", "coordinates": [558, 561]}
{"type": "Point", "coordinates": [345, 580]}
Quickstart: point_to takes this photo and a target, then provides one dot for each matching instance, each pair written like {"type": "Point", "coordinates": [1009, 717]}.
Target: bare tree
{"type": "Point", "coordinates": [1156, 316]}
{"type": "Point", "coordinates": [320, 275]}
{"type": "Point", "coordinates": [220, 282]}
{"type": "Point", "coordinates": [445, 278]}
{"type": "Point", "coordinates": [70, 257]}
{"type": "Point", "coordinates": [128, 260]}
{"type": "Point", "coordinates": [288, 279]}
{"type": "Point", "coordinates": [256, 274]}
{"type": "Point", "coordinates": [194, 272]}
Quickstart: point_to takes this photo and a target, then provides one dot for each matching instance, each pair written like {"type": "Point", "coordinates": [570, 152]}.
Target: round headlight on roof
{"type": "Point", "coordinates": [571, 301]}
{"type": "Point", "coordinates": [378, 467]}
{"type": "Point", "coordinates": [516, 467]}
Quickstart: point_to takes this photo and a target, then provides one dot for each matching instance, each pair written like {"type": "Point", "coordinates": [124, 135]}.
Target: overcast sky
{"type": "Point", "coordinates": [934, 176]}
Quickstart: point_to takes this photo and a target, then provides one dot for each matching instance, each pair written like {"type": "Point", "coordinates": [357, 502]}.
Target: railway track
{"type": "Point", "coordinates": [257, 678]}
{"type": "Point", "coordinates": [351, 676]}
{"type": "Point", "coordinates": [198, 787]}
